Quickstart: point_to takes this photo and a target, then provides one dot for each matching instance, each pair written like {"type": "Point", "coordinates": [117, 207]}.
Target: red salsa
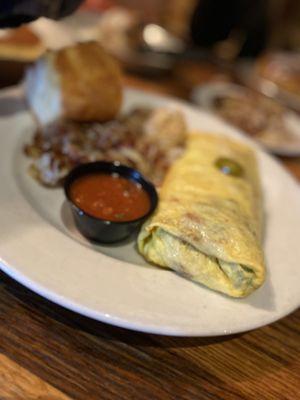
{"type": "Point", "coordinates": [110, 197]}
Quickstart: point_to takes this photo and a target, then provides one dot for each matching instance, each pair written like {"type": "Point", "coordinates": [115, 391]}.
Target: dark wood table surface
{"type": "Point", "coordinates": [48, 352]}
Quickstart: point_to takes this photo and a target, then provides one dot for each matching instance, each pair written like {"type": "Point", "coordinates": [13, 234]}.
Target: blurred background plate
{"type": "Point", "coordinates": [280, 133]}
{"type": "Point", "coordinates": [274, 74]}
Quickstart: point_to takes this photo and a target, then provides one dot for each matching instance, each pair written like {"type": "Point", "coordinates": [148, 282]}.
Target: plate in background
{"type": "Point", "coordinates": [206, 95]}
{"type": "Point", "coordinates": [248, 74]}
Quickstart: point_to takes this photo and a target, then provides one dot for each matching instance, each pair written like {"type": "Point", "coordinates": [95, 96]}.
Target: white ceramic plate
{"type": "Point", "coordinates": [40, 248]}
{"type": "Point", "coordinates": [205, 96]}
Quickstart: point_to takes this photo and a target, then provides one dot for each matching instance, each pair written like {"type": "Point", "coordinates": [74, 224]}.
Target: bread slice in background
{"type": "Point", "coordinates": [20, 44]}
{"type": "Point", "coordinates": [78, 83]}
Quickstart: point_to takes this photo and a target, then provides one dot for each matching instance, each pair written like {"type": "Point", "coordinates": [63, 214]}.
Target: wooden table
{"type": "Point", "coordinates": [49, 353]}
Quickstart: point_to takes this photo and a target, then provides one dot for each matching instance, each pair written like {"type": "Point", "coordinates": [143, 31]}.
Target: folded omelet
{"type": "Point", "coordinates": [209, 220]}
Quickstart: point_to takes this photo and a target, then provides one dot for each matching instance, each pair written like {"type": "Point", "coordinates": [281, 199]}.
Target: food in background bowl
{"type": "Point", "coordinates": [283, 69]}
{"type": "Point", "coordinates": [253, 113]}
{"type": "Point", "coordinates": [274, 74]}
{"type": "Point", "coordinates": [263, 118]}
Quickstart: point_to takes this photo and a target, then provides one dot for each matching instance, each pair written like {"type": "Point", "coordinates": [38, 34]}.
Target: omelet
{"type": "Point", "coordinates": [208, 225]}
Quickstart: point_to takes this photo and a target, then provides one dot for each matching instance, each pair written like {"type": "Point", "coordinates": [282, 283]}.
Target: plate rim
{"type": "Point", "coordinates": [70, 305]}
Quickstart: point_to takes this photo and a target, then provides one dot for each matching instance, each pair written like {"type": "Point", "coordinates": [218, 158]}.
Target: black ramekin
{"type": "Point", "coordinates": [101, 230]}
